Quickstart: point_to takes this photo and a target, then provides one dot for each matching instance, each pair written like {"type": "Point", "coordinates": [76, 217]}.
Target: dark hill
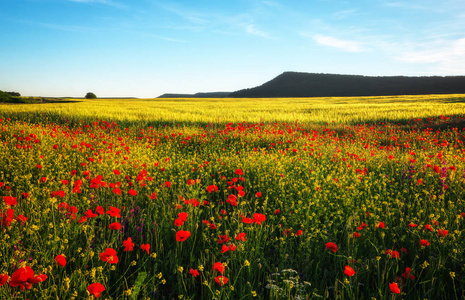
{"type": "Point", "coordinates": [294, 84]}
{"type": "Point", "coordinates": [197, 95]}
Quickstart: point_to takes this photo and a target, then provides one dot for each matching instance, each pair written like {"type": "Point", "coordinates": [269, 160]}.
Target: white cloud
{"type": "Point", "coordinates": [252, 29]}
{"type": "Point", "coordinates": [449, 56]}
{"type": "Point", "coordinates": [412, 6]}
{"type": "Point", "coordinates": [185, 13]}
{"type": "Point", "coordinates": [345, 45]}
{"type": "Point", "coordinates": [344, 14]}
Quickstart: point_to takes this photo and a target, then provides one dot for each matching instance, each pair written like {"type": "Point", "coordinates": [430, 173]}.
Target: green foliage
{"type": "Point", "coordinates": [14, 94]}
{"type": "Point", "coordinates": [90, 95]}
{"type": "Point", "coordinates": [5, 97]}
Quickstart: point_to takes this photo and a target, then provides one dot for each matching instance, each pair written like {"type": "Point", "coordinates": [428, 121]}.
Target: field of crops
{"type": "Point", "coordinates": [338, 198]}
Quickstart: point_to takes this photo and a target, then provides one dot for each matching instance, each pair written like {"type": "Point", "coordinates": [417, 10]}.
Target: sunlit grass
{"type": "Point", "coordinates": [341, 110]}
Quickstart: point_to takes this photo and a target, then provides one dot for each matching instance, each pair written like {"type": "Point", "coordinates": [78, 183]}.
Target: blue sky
{"type": "Point", "coordinates": [144, 48]}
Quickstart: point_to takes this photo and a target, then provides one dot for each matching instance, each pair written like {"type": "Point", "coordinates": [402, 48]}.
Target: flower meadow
{"type": "Point", "coordinates": [116, 208]}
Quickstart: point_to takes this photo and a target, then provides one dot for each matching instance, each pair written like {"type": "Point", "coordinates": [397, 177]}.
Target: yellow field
{"type": "Point", "coordinates": [341, 110]}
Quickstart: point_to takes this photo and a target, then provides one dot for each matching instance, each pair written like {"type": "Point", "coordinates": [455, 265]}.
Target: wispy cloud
{"type": "Point", "coordinates": [253, 30]}
{"type": "Point", "coordinates": [106, 2]}
{"type": "Point", "coordinates": [345, 45]}
{"type": "Point", "coordinates": [344, 14]}
{"type": "Point", "coordinates": [61, 27]}
{"type": "Point", "coordinates": [156, 36]}
{"type": "Point", "coordinates": [218, 21]}
{"type": "Point", "coordinates": [449, 56]}
{"type": "Point", "coordinates": [272, 4]}
{"type": "Point", "coordinates": [187, 14]}
{"type": "Point", "coordinates": [411, 5]}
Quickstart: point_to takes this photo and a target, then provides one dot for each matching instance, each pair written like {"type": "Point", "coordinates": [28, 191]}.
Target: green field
{"type": "Point", "coordinates": [295, 198]}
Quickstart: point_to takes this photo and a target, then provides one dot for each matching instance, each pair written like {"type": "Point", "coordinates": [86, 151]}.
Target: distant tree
{"type": "Point", "coordinates": [4, 97]}
{"type": "Point", "coordinates": [90, 96]}
{"type": "Point", "coordinates": [15, 94]}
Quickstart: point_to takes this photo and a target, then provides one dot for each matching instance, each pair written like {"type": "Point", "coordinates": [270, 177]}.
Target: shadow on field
{"type": "Point", "coordinates": [57, 100]}
{"type": "Point", "coordinates": [455, 100]}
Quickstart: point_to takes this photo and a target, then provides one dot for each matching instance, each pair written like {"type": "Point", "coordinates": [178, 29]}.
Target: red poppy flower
{"type": "Point", "coordinates": [349, 271]}
{"type": "Point", "coordinates": [259, 218]}
{"type": "Point", "coordinates": [168, 184]}
{"type": "Point", "coordinates": [90, 214]}
{"type": "Point", "coordinates": [212, 188]}
{"type": "Point", "coordinates": [428, 227]}
{"type": "Point", "coordinates": [22, 278]}
{"type": "Point", "coordinates": [22, 219]}
{"type": "Point", "coordinates": [247, 220]}
{"type": "Point", "coordinates": [442, 232]}
{"type": "Point", "coordinates": [362, 226]}
{"type": "Point", "coordinates": [221, 280]}
{"type": "Point", "coordinates": [109, 256]}
{"type": "Point", "coordinates": [331, 246]}
{"type": "Point", "coordinates": [38, 278]}
{"type": "Point", "coordinates": [11, 201]}
{"type": "Point", "coordinates": [96, 289]}
{"type": "Point", "coordinates": [117, 172]}
{"type": "Point", "coordinates": [299, 232]}
{"type": "Point", "coordinates": [218, 267]}
{"type": "Point", "coordinates": [63, 206]}
{"type": "Point", "coordinates": [381, 225]}
{"type": "Point", "coordinates": [193, 272]}
{"type": "Point", "coordinates": [7, 217]}
{"type": "Point", "coordinates": [115, 226]}
{"type": "Point", "coordinates": [182, 235]}
{"type": "Point", "coordinates": [132, 192]}
{"type": "Point", "coordinates": [128, 244]}
{"type": "Point", "coordinates": [223, 239]}
{"type": "Point", "coordinates": [412, 225]}
{"type": "Point", "coordinates": [392, 253]}
{"type": "Point", "coordinates": [183, 216]}
{"type": "Point", "coordinates": [3, 279]}
{"type": "Point", "coordinates": [239, 172]}
{"type": "Point", "coordinates": [241, 237]}
{"type": "Point", "coordinates": [224, 248]}
{"type": "Point", "coordinates": [114, 212]}
{"type": "Point", "coordinates": [100, 210]}
{"type": "Point", "coordinates": [394, 288]}
{"type": "Point", "coordinates": [61, 260]}
{"type": "Point", "coordinates": [356, 235]}
{"type": "Point", "coordinates": [232, 199]}
{"type": "Point", "coordinates": [117, 191]}
{"type": "Point", "coordinates": [145, 247]}
{"type": "Point", "coordinates": [424, 243]}
{"type": "Point", "coordinates": [178, 222]}
{"type": "Point", "coordinates": [407, 274]}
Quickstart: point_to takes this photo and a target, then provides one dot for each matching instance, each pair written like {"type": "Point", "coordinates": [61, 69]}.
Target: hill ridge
{"type": "Point", "coordinates": [301, 84]}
